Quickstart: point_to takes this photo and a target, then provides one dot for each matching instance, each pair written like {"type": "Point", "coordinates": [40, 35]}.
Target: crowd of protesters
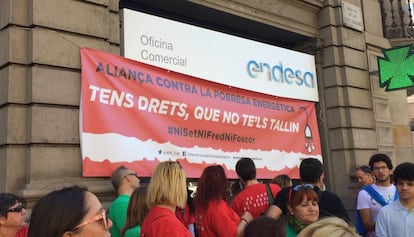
{"type": "Point", "coordinates": [165, 207]}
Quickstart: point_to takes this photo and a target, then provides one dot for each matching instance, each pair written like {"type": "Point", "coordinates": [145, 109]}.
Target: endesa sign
{"type": "Point", "coordinates": [218, 57]}
{"type": "Point", "coordinates": [138, 115]}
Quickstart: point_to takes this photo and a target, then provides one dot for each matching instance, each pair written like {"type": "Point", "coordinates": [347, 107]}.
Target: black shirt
{"type": "Point", "coordinates": [329, 203]}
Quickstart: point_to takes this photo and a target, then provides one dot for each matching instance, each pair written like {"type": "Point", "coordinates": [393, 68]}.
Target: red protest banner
{"type": "Point", "coordinates": [140, 115]}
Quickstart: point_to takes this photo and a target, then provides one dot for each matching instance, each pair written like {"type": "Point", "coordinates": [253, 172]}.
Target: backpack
{"type": "Point", "coordinates": [269, 197]}
{"type": "Point", "coordinates": [377, 197]}
{"type": "Point", "coordinates": [269, 194]}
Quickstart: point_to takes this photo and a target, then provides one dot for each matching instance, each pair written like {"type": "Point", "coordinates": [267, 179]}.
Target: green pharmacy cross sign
{"type": "Point", "coordinates": [396, 69]}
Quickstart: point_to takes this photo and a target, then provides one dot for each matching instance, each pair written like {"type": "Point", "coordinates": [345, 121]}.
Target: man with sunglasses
{"type": "Point", "coordinates": [312, 175]}
{"type": "Point", "coordinates": [125, 181]}
{"type": "Point", "coordinates": [12, 216]}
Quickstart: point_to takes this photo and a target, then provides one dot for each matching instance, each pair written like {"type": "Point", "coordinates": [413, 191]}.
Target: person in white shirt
{"type": "Point", "coordinates": [367, 206]}
{"type": "Point", "coordinates": [397, 218]}
{"type": "Point", "coordinates": [364, 175]}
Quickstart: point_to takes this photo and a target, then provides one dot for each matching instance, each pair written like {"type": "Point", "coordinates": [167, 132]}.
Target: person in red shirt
{"type": "Point", "coordinates": [186, 215]}
{"type": "Point", "coordinates": [22, 232]}
{"type": "Point", "coordinates": [254, 198]}
{"type": "Point", "coordinates": [167, 190]}
{"type": "Point", "coordinates": [213, 214]}
{"type": "Point", "coordinates": [12, 216]}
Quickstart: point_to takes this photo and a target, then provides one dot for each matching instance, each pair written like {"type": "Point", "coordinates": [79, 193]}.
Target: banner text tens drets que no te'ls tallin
{"type": "Point", "coordinates": [139, 115]}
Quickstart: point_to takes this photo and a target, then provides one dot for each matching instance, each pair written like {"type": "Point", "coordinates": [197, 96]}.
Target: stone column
{"type": "Point", "coordinates": [40, 91]}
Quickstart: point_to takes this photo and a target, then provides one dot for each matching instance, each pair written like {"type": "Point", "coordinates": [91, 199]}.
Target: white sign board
{"type": "Point", "coordinates": [218, 57]}
{"type": "Point", "coordinates": [352, 16]}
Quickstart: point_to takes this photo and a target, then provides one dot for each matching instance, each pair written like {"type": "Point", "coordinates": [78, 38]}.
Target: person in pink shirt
{"type": "Point", "coordinates": [167, 190]}
{"type": "Point", "coordinates": [12, 216]}
{"type": "Point", "coordinates": [254, 198]}
{"type": "Point", "coordinates": [213, 214]}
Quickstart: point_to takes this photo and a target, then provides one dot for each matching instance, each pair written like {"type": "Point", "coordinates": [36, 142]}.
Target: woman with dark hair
{"type": "Point", "coordinates": [136, 212]}
{"type": "Point", "coordinates": [12, 216]}
{"type": "Point", "coordinates": [214, 216]}
{"type": "Point", "coordinates": [264, 226]}
{"type": "Point", "coordinates": [70, 211]}
{"type": "Point", "coordinates": [303, 209]}
{"type": "Point", "coordinates": [283, 180]}
{"type": "Point", "coordinates": [235, 188]}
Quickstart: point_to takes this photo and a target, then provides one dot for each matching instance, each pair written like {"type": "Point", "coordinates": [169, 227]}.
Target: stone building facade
{"type": "Point", "coordinates": [40, 85]}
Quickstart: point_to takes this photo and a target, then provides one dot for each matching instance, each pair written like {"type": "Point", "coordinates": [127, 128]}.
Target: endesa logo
{"type": "Point", "coordinates": [281, 74]}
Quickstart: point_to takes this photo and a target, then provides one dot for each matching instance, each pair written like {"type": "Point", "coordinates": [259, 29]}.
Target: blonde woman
{"type": "Point", "coordinates": [166, 191]}
{"type": "Point", "coordinates": [329, 226]}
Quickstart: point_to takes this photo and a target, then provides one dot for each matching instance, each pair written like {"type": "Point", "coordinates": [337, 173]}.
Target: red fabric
{"type": "Point", "coordinates": [219, 220]}
{"type": "Point", "coordinates": [22, 232]}
{"type": "Point", "coordinates": [253, 199]}
{"type": "Point", "coordinates": [185, 113]}
{"type": "Point", "coordinates": [185, 216]}
{"type": "Point", "coordinates": [161, 222]}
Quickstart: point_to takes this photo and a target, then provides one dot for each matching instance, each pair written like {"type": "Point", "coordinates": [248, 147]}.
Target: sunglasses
{"type": "Point", "coordinates": [300, 186]}
{"type": "Point", "coordinates": [100, 216]}
{"type": "Point", "coordinates": [134, 174]}
{"type": "Point", "coordinates": [16, 209]}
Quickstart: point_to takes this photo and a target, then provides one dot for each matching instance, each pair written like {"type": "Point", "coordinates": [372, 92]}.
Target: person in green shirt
{"type": "Point", "coordinates": [303, 209]}
{"type": "Point", "coordinates": [125, 181]}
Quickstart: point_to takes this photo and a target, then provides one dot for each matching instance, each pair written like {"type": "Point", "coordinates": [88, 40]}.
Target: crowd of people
{"type": "Point", "coordinates": [385, 203]}
{"type": "Point", "coordinates": [165, 206]}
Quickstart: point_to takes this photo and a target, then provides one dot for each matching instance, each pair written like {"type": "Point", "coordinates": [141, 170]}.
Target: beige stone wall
{"type": "Point", "coordinates": [40, 87]}
{"type": "Point", "coordinates": [361, 118]}
{"type": "Point", "coordinates": [40, 90]}
{"type": "Point", "coordinates": [345, 88]}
